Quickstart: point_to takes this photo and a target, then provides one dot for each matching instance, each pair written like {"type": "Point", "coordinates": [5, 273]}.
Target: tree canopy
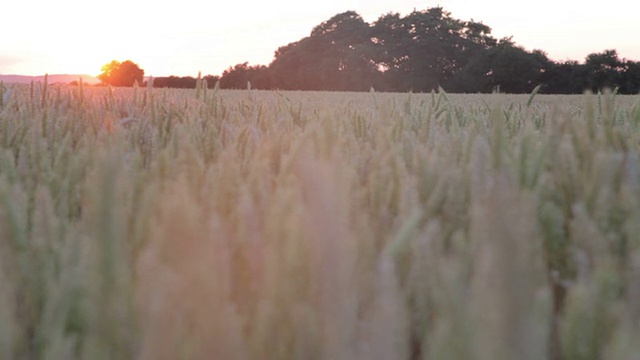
{"type": "Point", "coordinates": [124, 73]}
{"type": "Point", "coordinates": [422, 51]}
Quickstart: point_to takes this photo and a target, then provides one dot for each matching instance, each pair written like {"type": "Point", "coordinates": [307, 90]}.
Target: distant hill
{"type": "Point", "coordinates": [64, 78]}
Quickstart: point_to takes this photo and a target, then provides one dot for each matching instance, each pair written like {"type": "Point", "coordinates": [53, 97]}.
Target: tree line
{"type": "Point", "coordinates": [420, 52]}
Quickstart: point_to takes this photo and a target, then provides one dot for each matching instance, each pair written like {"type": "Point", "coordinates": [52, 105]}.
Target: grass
{"type": "Point", "coordinates": [191, 224]}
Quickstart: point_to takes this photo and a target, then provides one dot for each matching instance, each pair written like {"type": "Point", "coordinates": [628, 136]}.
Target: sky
{"type": "Point", "coordinates": [187, 36]}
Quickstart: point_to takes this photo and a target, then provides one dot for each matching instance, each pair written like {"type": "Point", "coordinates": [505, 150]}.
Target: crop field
{"type": "Point", "coordinates": [214, 224]}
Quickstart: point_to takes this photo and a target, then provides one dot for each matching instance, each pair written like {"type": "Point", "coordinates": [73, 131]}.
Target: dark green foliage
{"type": "Point", "coordinates": [505, 67]}
{"type": "Point", "coordinates": [336, 56]}
{"type": "Point", "coordinates": [239, 76]}
{"type": "Point", "coordinates": [422, 51]}
{"type": "Point", "coordinates": [419, 52]}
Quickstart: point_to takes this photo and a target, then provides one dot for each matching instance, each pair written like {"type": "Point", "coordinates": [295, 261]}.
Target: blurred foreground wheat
{"type": "Point", "coordinates": [140, 224]}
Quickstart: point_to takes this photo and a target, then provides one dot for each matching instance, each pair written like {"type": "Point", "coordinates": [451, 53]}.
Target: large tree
{"type": "Point", "coordinates": [423, 50]}
{"type": "Point", "coordinates": [124, 73]}
{"type": "Point", "coordinates": [417, 52]}
{"type": "Point", "coordinates": [336, 56]}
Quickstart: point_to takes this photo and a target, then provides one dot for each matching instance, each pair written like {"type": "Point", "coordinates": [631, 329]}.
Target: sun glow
{"type": "Point", "coordinates": [72, 36]}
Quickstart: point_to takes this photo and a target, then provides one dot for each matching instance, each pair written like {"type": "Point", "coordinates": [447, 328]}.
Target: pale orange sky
{"type": "Point", "coordinates": [182, 38]}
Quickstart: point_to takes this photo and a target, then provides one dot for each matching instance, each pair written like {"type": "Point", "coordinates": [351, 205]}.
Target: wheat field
{"type": "Point", "coordinates": [215, 224]}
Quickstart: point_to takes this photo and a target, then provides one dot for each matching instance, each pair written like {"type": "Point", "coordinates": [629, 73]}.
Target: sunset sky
{"type": "Point", "coordinates": [187, 36]}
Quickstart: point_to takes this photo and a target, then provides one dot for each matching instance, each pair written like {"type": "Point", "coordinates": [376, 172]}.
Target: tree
{"type": "Point", "coordinates": [631, 78]}
{"type": "Point", "coordinates": [184, 82]}
{"type": "Point", "coordinates": [568, 77]}
{"type": "Point", "coordinates": [124, 73]}
{"type": "Point", "coordinates": [239, 76]}
{"type": "Point", "coordinates": [424, 49]}
{"type": "Point", "coordinates": [604, 70]}
{"type": "Point", "coordinates": [175, 82]}
{"type": "Point", "coordinates": [505, 67]}
{"type": "Point", "coordinates": [336, 56]}
{"type": "Point", "coordinates": [600, 71]}
{"type": "Point", "coordinates": [417, 52]}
